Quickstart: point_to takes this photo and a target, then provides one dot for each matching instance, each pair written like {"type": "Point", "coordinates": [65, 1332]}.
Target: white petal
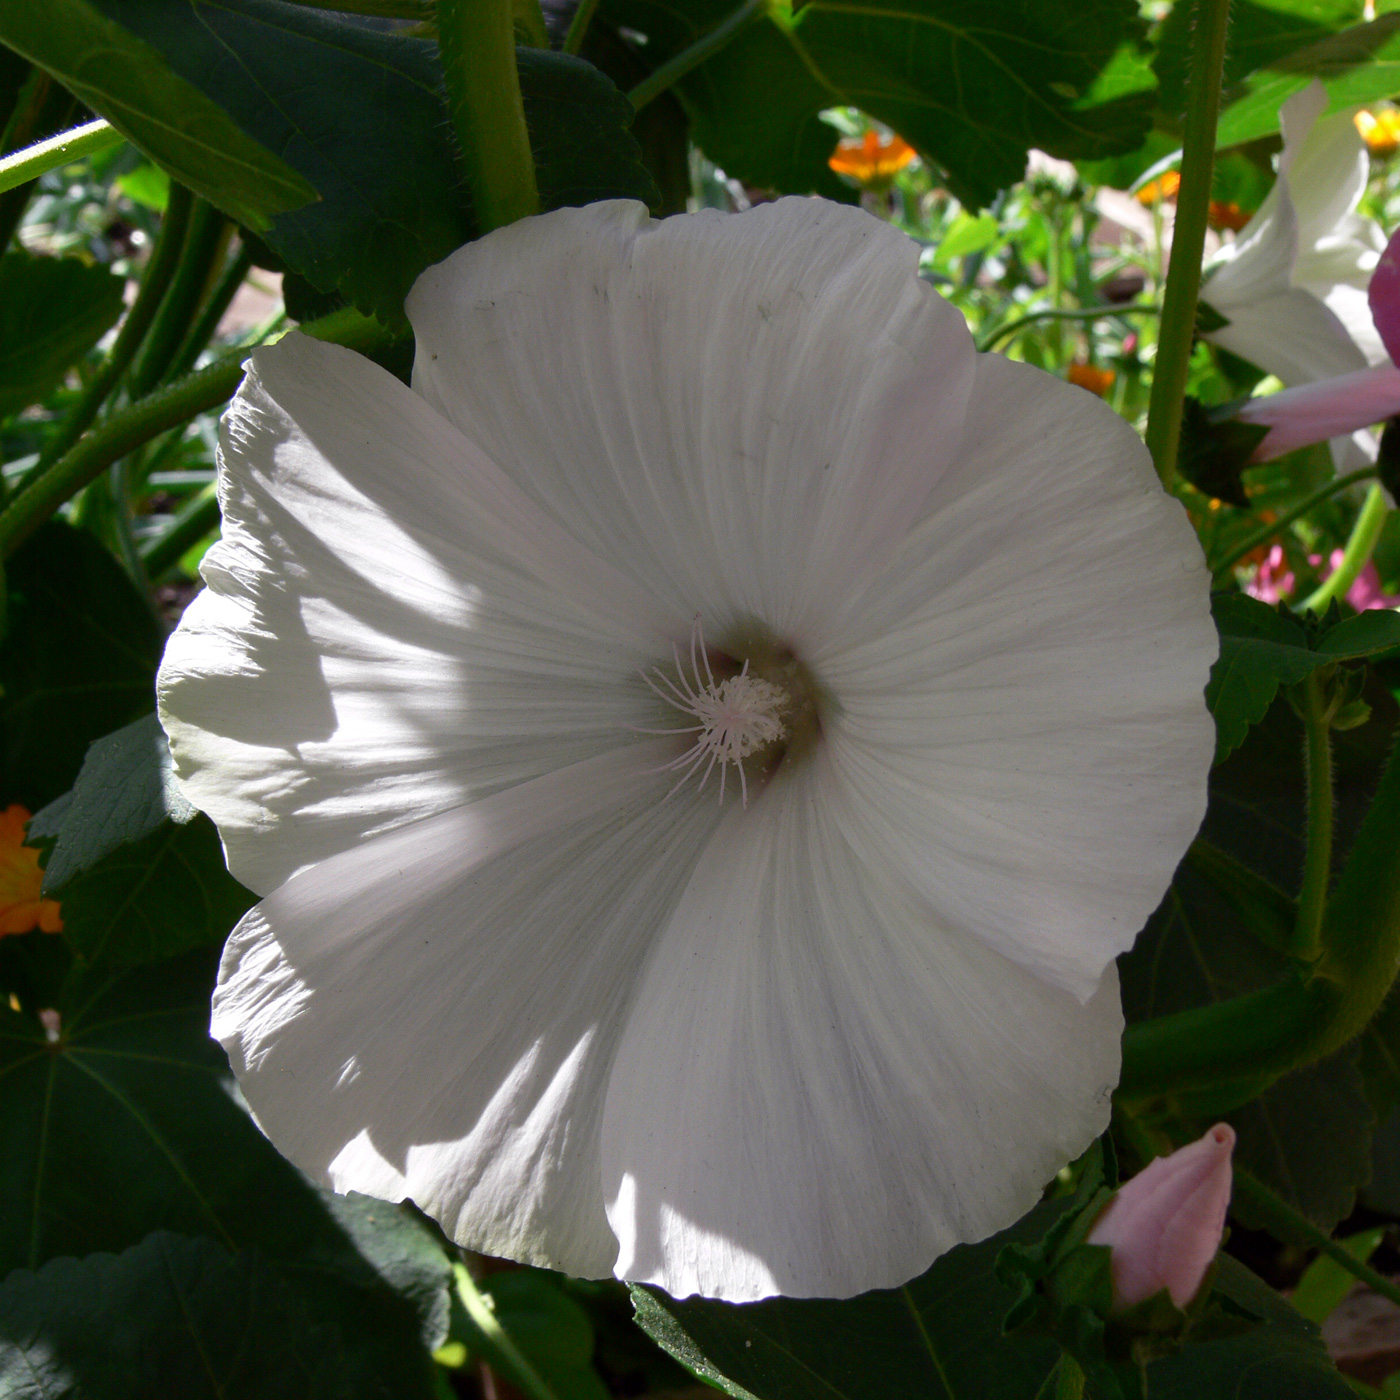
{"type": "Point", "coordinates": [1018, 704]}
{"type": "Point", "coordinates": [1294, 336]}
{"type": "Point", "coordinates": [390, 626]}
{"type": "Point", "coordinates": [433, 1014]}
{"type": "Point", "coordinates": [821, 1088]}
{"type": "Point", "coordinates": [766, 479]}
{"type": "Point", "coordinates": [1326, 166]}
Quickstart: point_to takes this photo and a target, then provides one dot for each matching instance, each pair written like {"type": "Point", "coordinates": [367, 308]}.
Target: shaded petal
{"type": "Point", "coordinates": [821, 1087]}
{"type": "Point", "coordinates": [1324, 161]}
{"type": "Point", "coordinates": [448, 997]}
{"type": "Point", "coordinates": [1383, 296]}
{"type": "Point", "coordinates": [390, 626]}
{"type": "Point", "coordinates": [1294, 336]}
{"type": "Point", "coordinates": [765, 481]}
{"type": "Point", "coordinates": [1019, 717]}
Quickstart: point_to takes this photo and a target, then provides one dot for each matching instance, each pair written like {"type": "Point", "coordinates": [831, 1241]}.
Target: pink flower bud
{"type": "Point", "coordinates": [1164, 1225]}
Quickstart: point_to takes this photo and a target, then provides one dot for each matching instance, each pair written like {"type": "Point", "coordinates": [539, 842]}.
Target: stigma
{"type": "Point", "coordinates": [735, 717]}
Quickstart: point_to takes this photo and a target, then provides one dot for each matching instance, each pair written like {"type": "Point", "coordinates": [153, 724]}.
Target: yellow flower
{"type": "Point", "coordinates": [1090, 377]}
{"type": "Point", "coordinates": [1379, 130]}
{"type": "Point", "coordinates": [872, 159]}
{"type": "Point", "coordinates": [21, 907]}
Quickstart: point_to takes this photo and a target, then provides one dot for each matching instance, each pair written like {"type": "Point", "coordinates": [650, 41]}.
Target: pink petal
{"type": "Point", "coordinates": [1326, 409]}
{"type": "Point", "coordinates": [1384, 296]}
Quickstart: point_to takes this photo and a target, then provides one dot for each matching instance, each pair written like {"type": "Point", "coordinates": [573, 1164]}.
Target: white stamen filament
{"type": "Point", "coordinates": [735, 717]}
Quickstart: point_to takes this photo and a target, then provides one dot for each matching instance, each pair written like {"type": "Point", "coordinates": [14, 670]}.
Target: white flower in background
{"type": "Point", "coordinates": [510, 961]}
{"type": "Point", "coordinates": [1293, 283]}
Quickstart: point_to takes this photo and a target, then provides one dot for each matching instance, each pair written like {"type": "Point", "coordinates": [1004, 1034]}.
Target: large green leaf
{"type": "Point", "coordinates": [126, 81]}
{"type": "Point", "coordinates": [52, 312]}
{"type": "Point", "coordinates": [360, 113]}
{"type": "Point", "coordinates": [1356, 66]}
{"type": "Point", "coordinates": [78, 661]}
{"type": "Point", "coordinates": [972, 83]}
{"type": "Point", "coordinates": [126, 1123]}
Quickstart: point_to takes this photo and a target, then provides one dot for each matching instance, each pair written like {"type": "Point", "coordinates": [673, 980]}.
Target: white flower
{"type": "Point", "coordinates": [1293, 284]}
{"type": "Point", "coordinates": [588, 1015]}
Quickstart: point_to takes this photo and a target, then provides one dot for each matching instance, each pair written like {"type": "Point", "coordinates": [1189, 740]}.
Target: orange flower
{"type": "Point", "coordinates": [873, 159]}
{"type": "Point", "coordinates": [1221, 214]}
{"type": "Point", "coordinates": [1379, 130]}
{"type": "Point", "coordinates": [1090, 377]}
{"type": "Point", "coordinates": [1163, 187]}
{"type": "Point", "coordinates": [21, 908]}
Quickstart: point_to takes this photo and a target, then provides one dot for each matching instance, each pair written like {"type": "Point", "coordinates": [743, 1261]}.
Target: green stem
{"type": "Point", "coordinates": [420, 10]}
{"type": "Point", "coordinates": [1081, 313]}
{"type": "Point", "coordinates": [202, 332]}
{"type": "Point", "coordinates": [204, 241]}
{"type": "Point", "coordinates": [1188, 238]}
{"type": "Point", "coordinates": [1306, 1015]}
{"type": "Point", "coordinates": [43, 108]}
{"type": "Point", "coordinates": [1292, 1227]}
{"type": "Point", "coordinates": [165, 257]}
{"type": "Point", "coordinates": [477, 40]}
{"type": "Point", "coordinates": [711, 42]}
{"type": "Point", "coordinates": [578, 26]}
{"type": "Point", "coordinates": [1359, 548]}
{"type": "Point", "coordinates": [157, 413]}
{"type": "Point", "coordinates": [520, 1371]}
{"type": "Point", "coordinates": [119, 476]}
{"type": "Point", "coordinates": [1277, 527]}
{"type": "Point", "coordinates": [530, 28]}
{"type": "Point", "coordinates": [188, 526]}
{"type": "Point", "coordinates": [62, 149]}
{"type": "Point", "coordinates": [1069, 1379]}
{"type": "Point", "coordinates": [1306, 943]}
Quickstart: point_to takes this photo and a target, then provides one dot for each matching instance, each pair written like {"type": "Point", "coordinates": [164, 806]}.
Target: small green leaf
{"type": "Point", "coordinates": [127, 81]}
{"type": "Point", "coordinates": [79, 661]}
{"type": "Point", "coordinates": [52, 312]}
{"type": "Point", "coordinates": [125, 790]}
{"type": "Point", "coordinates": [1325, 1283]}
{"type": "Point", "coordinates": [1367, 634]}
{"type": "Point", "coordinates": [1261, 648]}
{"type": "Point", "coordinates": [968, 234]}
{"type": "Point", "coordinates": [1213, 454]}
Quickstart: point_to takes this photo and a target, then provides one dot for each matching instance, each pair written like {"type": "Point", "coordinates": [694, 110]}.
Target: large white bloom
{"type": "Point", "coordinates": [1293, 284]}
{"type": "Point", "coordinates": [801, 1045]}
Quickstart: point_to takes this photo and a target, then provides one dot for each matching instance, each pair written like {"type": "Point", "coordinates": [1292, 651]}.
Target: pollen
{"type": "Point", "coordinates": [734, 717]}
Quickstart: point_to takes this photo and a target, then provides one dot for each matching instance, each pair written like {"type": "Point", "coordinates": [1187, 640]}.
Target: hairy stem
{"type": "Point", "coordinates": [43, 156]}
{"type": "Point", "coordinates": [202, 332]}
{"type": "Point", "coordinates": [477, 40]}
{"type": "Point", "coordinates": [1007, 329]}
{"type": "Point", "coordinates": [511, 1360]}
{"type": "Point", "coordinates": [706, 46]}
{"type": "Point", "coordinates": [189, 525]}
{"type": "Point", "coordinates": [1188, 238]}
{"type": "Point", "coordinates": [1359, 548]}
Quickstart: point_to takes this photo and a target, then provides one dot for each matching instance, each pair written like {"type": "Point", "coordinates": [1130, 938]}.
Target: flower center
{"type": "Point", "coordinates": [743, 719]}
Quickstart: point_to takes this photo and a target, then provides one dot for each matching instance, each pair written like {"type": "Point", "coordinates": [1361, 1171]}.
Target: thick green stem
{"type": "Point", "coordinates": [67, 146]}
{"type": "Point", "coordinates": [477, 39]}
{"type": "Point", "coordinates": [1292, 1227]}
{"type": "Point", "coordinates": [205, 239]}
{"type": "Point", "coordinates": [578, 26]}
{"type": "Point", "coordinates": [1277, 527]}
{"type": "Point", "coordinates": [707, 45]}
{"type": "Point", "coordinates": [202, 332]}
{"type": "Point", "coordinates": [1188, 237]}
{"type": "Point", "coordinates": [42, 109]}
{"type": "Point", "coordinates": [1007, 329]}
{"type": "Point", "coordinates": [1317, 863]}
{"type": "Point", "coordinates": [1305, 1016]}
{"type": "Point", "coordinates": [165, 257]}
{"type": "Point", "coordinates": [1359, 548]}
{"type": "Point", "coordinates": [507, 1355]}
{"type": "Point", "coordinates": [155, 414]}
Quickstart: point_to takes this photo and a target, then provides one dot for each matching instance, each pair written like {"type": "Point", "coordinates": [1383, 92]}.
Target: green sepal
{"type": "Point", "coordinates": [1215, 450]}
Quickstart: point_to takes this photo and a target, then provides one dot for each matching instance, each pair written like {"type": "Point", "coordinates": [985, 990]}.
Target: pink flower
{"type": "Point", "coordinates": [1366, 593]}
{"type": "Point", "coordinates": [1164, 1225]}
{"type": "Point", "coordinates": [1273, 580]}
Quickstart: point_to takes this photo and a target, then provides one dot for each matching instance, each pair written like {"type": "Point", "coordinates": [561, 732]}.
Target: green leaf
{"type": "Point", "coordinates": [125, 790]}
{"type": "Point", "coordinates": [1365, 635]}
{"type": "Point", "coordinates": [1356, 66]}
{"type": "Point", "coordinates": [972, 86]}
{"type": "Point", "coordinates": [79, 661]}
{"type": "Point", "coordinates": [1214, 454]}
{"type": "Point", "coordinates": [1282, 1357]}
{"type": "Point", "coordinates": [1308, 1137]}
{"type": "Point", "coordinates": [172, 1316]}
{"type": "Point", "coordinates": [968, 234]}
{"type": "Point", "coordinates": [127, 1123]}
{"type": "Point", "coordinates": [1261, 648]}
{"type": "Point", "coordinates": [1325, 1282]}
{"type": "Point", "coordinates": [360, 113]}
{"type": "Point", "coordinates": [52, 312]}
{"type": "Point", "coordinates": [126, 81]}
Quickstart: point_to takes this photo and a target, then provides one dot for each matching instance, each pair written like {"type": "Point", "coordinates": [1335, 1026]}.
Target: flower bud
{"type": "Point", "coordinates": [1164, 1225]}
